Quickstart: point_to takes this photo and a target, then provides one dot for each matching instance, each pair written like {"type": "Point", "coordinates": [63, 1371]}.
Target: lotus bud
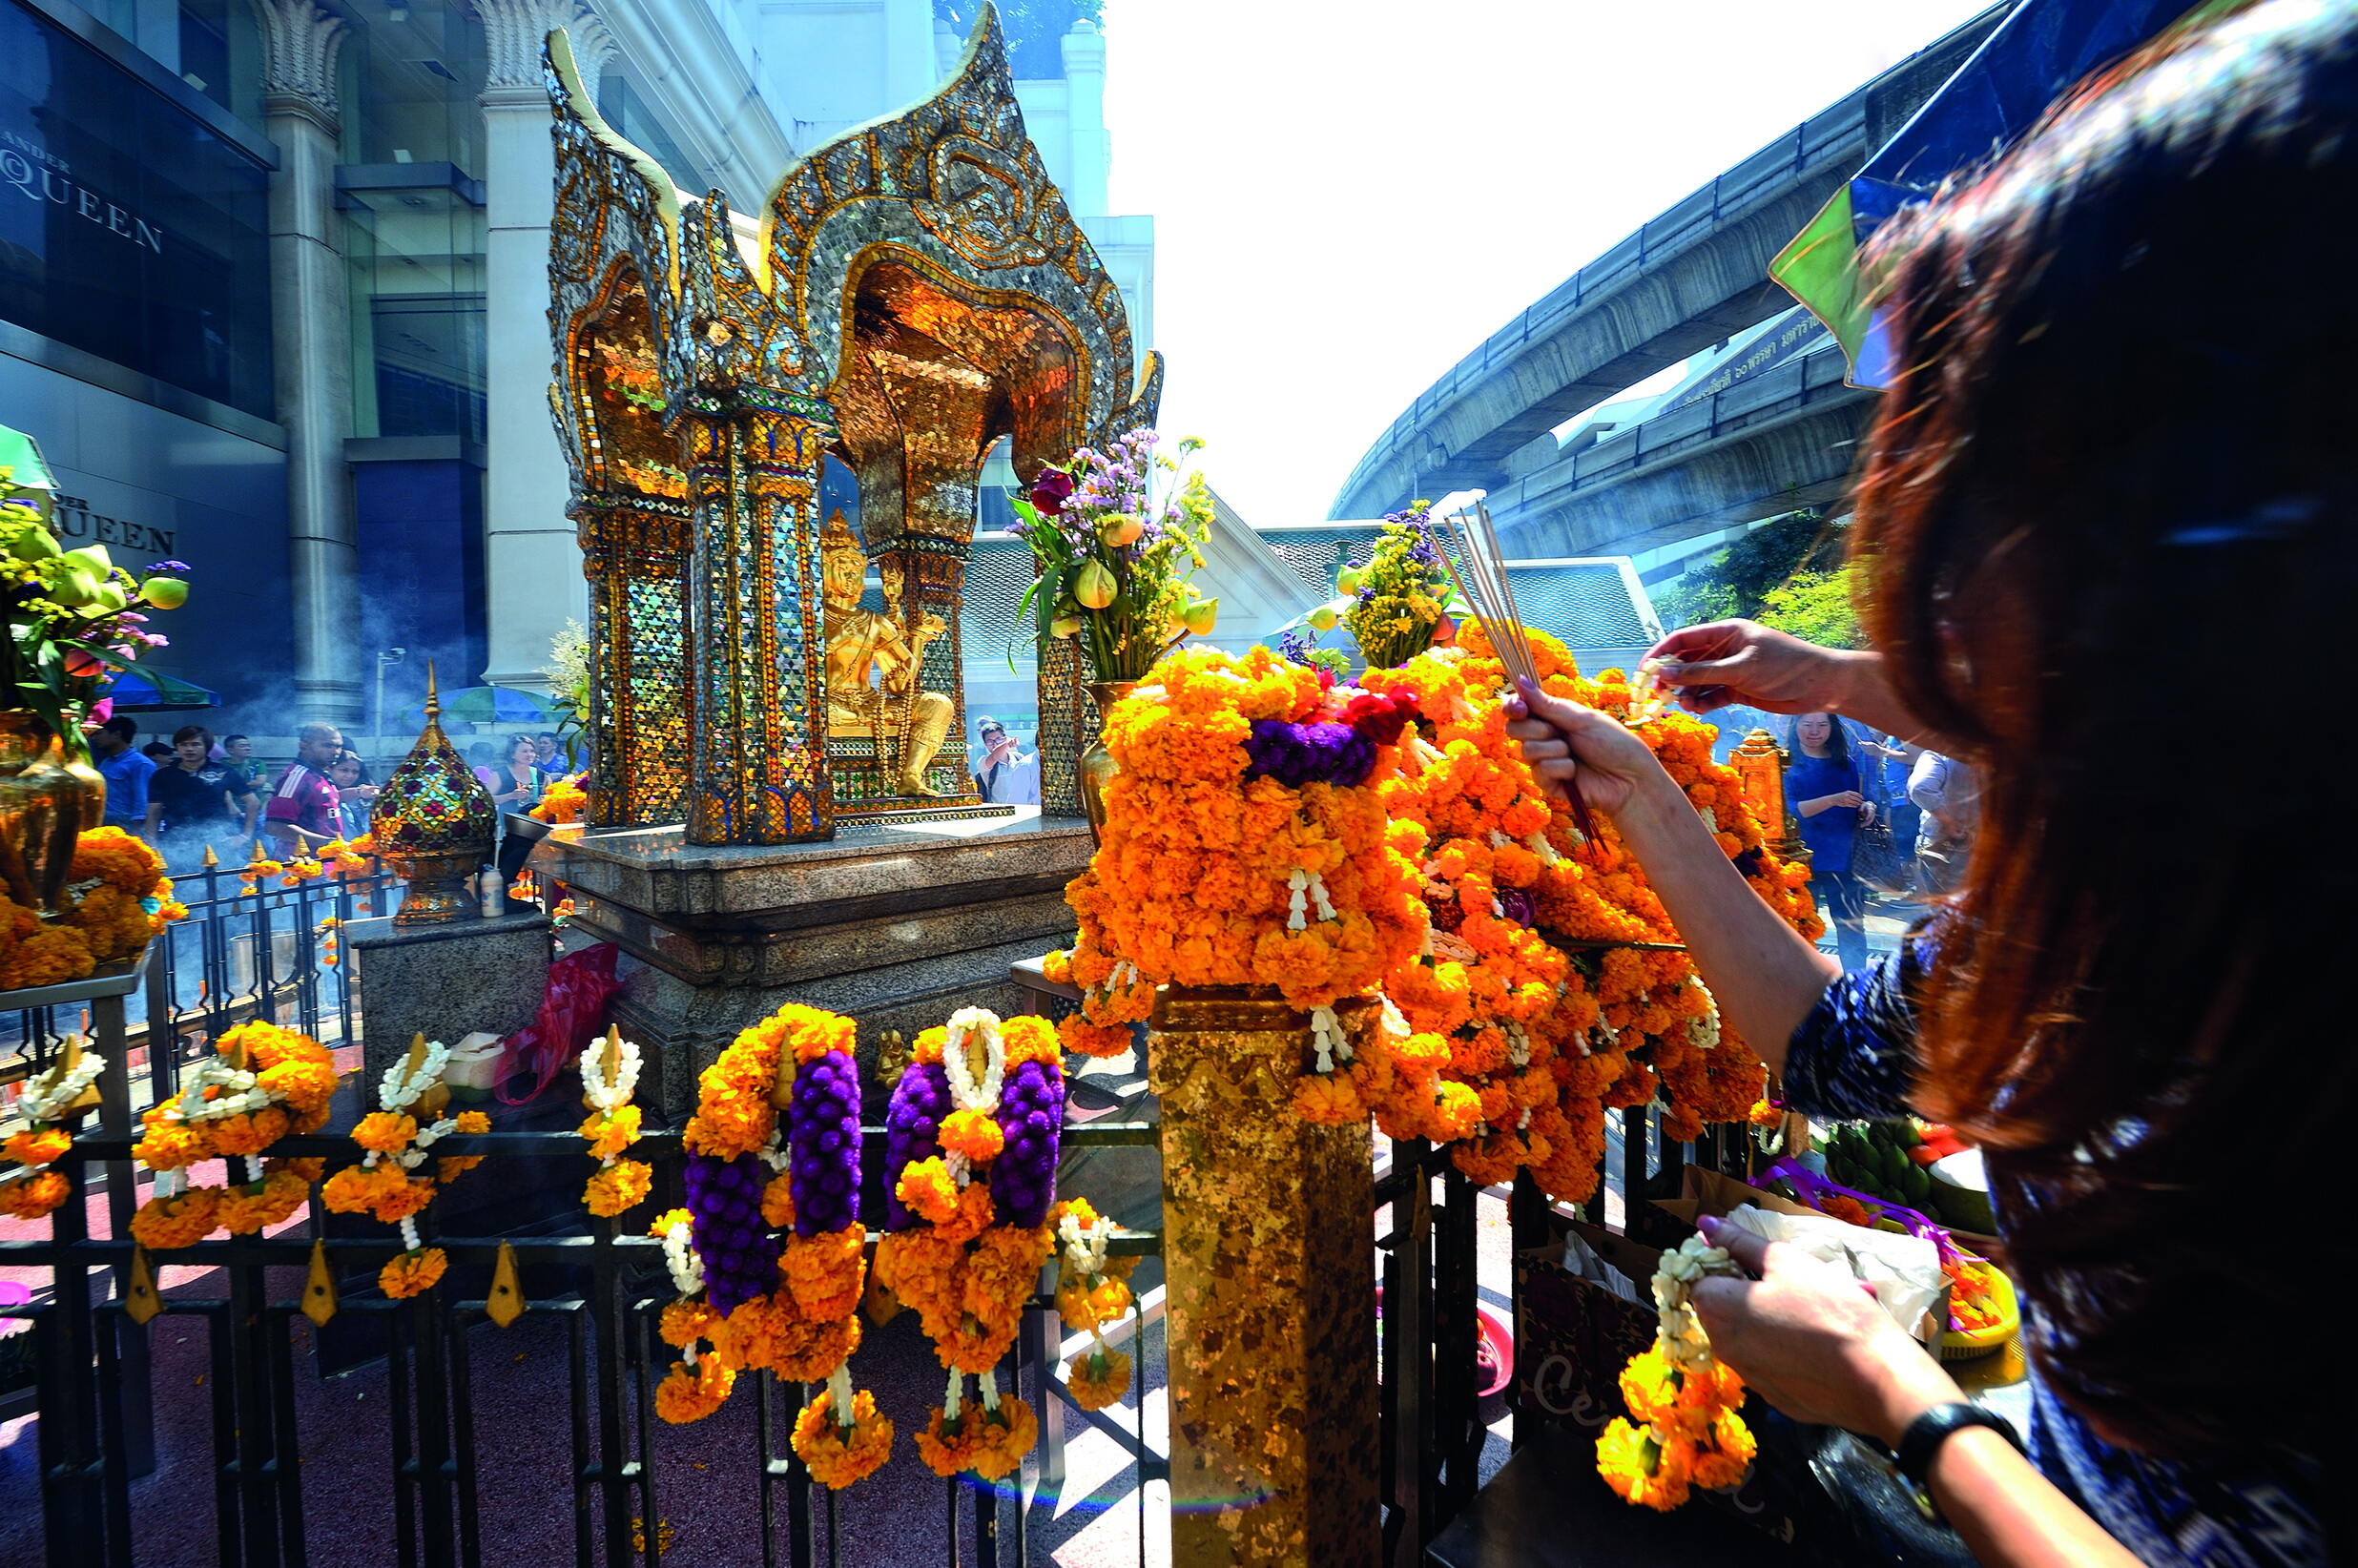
{"type": "Point", "coordinates": [164, 592]}
{"type": "Point", "coordinates": [1095, 587]}
{"type": "Point", "coordinates": [1202, 616]}
{"type": "Point", "coordinates": [1065, 626]}
{"type": "Point", "coordinates": [93, 556]}
{"type": "Point", "coordinates": [1347, 581]}
{"type": "Point", "coordinates": [1323, 618]}
{"type": "Point", "coordinates": [1120, 529]}
{"type": "Point", "coordinates": [35, 544]}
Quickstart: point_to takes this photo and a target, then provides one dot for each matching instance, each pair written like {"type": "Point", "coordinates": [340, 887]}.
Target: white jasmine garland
{"type": "Point", "coordinates": [402, 1088]}
{"type": "Point", "coordinates": [606, 1097]}
{"type": "Point", "coordinates": [679, 1256]}
{"type": "Point", "coordinates": [45, 1099]}
{"type": "Point", "coordinates": [968, 1092]}
{"type": "Point", "coordinates": [1705, 1032]}
{"type": "Point", "coordinates": [1326, 1033]}
{"type": "Point", "coordinates": [1318, 896]}
{"type": "Point", "coordinates": [1085, 1245]}
{"type": "Point", "coordinates": [1681, 1336]}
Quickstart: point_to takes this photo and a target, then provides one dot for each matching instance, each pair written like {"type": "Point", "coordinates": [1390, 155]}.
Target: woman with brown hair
{"type": "Point", "coordinates": [2110, 499]}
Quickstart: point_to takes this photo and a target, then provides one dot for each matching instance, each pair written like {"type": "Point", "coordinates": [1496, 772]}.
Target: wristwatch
{"type": "Point", "coordinates": [1922, 1442]}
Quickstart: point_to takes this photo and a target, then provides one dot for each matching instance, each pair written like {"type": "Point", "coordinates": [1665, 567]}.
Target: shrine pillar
{"type": "Point", "coordinates": [759, 759]}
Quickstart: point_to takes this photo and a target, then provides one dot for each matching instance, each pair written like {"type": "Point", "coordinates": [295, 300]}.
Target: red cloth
{"type": "Point", "coordinates": [572, 1013]}
{"type": "Point", "coordinates": [306, 798]}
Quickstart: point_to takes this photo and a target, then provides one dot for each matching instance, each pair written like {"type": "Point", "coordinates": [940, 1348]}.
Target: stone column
{"type": "Point", "coordinates": [311, 326]}
{"type": "Point", "coordinates": [1270, 1290]}
{"type": "Point", "coordinates": [533, 577]}
{"type": "Point", "coordinates": [1084, 118]}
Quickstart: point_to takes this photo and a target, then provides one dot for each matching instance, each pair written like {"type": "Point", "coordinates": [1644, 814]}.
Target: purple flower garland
{"type": "Point", "coordinates": [1295, 755]}
{"type": "Point", "coordinates": [912, 1125]}
{"type": "Point", "coordinates": [1031, 1112]}
{"type": "Point", "coordinates": [739, 1253]}
{"type": "Point", "coordinates": [822, 1133]}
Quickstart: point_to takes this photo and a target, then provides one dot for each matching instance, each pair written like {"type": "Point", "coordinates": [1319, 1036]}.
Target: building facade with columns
{"type": "Point", "coordinates": [273, 292]}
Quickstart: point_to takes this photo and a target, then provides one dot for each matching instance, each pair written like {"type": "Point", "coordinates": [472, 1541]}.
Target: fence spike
{"type": "Point", "coordinates": [318, 1287]}
{"type": "Point", "coordinates": [141, 1302]}
{"type": "Point", "coordinates": [507, 1301]}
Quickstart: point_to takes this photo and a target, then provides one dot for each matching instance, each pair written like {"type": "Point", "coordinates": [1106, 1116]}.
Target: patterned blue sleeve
{"type": "Point", "coordinates": [1854, 1056]}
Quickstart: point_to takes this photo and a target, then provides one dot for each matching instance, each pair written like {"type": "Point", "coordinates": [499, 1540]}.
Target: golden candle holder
{"type": "Point", "coordinates": [433, 823]}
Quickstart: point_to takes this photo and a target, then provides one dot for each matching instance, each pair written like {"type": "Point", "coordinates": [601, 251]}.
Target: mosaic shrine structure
{"type": "Point", "coordinates": [913, 292]}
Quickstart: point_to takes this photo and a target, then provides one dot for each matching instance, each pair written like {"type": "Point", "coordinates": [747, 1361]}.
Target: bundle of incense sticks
{"type": "Point", "coordinates": [1484, 584]}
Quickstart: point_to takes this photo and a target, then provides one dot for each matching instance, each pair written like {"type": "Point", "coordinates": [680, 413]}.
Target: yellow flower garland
{"type": "Point", "coordinates": [263, 1083]}
{"type": "Point", "coordinates": [394, 1146]}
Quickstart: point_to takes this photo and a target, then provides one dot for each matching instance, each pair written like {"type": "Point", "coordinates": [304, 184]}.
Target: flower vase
{"type": "Point", "coordinates": [48, 799]}
{"type": "Point", "coordinates": [1096, 768]}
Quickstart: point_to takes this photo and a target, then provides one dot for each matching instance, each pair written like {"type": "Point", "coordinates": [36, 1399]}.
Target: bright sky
{"type": "Point", "coordinates": [1349, 197]}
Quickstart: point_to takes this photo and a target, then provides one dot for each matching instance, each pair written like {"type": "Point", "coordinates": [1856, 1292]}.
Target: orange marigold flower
{"type": "Point", "coordinates": [621, 1185]}
{"type": "Point", "coordinates": [30, 1197]}
{"type": "Point", "coordinates": [1727, 1458]}
{"type": "Point", "coordinates": [926, 1189]}
{"type": "Point", "coordinates": [1640, 1469]}
{"type": "Point", "coordinates": [777, 1202]}
{"type": "Point", "coordinates": [387, 1132]}
{"type": "Point", "coordinates": [36, 1145]}
{"type": "Point", "coordinates": [826, 1272]}
{"type": "Point", "coordinates": [972, 1133]}
{"type": "Point", "coordinates": [246, 1211]}
{"type": "Point", "coordinates": [685, 1322]}
{"type": "Point", "coordinates": [1098, 1378]}
{"type": "Point", "coordinates": [837, 1456]}
{"type": "Point", "coordinates": [412, 1273]}
{"type": "Point", "coordinates": [609, 1135]}
{"type": "Point", "coordinates": [182, 1220]}
{"type": "Point", "coordinates": [689, 1393]}
{"type": "Point", "coordinates": [473, 1121]}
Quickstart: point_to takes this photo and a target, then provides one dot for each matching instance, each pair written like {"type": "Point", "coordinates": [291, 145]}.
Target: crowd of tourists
{"type": "Point", "coordinates": [199, 792]}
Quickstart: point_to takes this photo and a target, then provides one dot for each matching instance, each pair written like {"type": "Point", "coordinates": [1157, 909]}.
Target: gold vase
{"type": "Point", "coordinates": [1096, 768]}
{"type": "Point", "coordinates": [47, 800]}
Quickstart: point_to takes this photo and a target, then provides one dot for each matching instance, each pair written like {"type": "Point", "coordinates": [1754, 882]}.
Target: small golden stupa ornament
{"type": "Point", "coordinates": [1759, 762]}
{"type": "Point", "coordinates": [433, 823]}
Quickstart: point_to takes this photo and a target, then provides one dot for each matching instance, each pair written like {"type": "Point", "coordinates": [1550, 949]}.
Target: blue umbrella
{"type": "Point", "coordinates": [2031, 59]}
{"type": "Point", "coordinates": [487, 705]}
{"type": "Point", "coordinates": [151, 690]}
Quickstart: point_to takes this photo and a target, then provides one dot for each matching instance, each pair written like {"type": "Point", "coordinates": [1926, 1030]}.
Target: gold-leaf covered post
{"type": "Point", "coordinates": [433, 823]}
{"type": "Point", "coordinates": [1271, 1292]}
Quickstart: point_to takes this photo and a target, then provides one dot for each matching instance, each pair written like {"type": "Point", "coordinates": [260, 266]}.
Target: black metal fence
{"type": "Point", "coordinates": [262, 954]}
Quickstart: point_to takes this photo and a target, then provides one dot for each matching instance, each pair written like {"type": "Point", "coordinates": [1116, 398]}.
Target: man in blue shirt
{"type": "Point", "coordinates": [126, 771]}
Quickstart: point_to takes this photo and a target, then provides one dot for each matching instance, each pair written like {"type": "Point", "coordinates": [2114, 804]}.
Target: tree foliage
{"type": "Point", "coordinates": [1816, 607]}
{"type": "Point", "coordinates": [1737, 581]}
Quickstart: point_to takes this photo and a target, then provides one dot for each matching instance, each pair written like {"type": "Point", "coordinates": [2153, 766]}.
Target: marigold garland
{"type": "Point", "coordinates": [40, 1138]}
{"type": "Point", "coordinates": [1684, 1429]}
{"type": "Point", "coordinates": [968, 1232]}
{"type": "Point", "coordinates": [774, 1146]}
{"type": "Point", "coordinates": [1526, 1014]}
{"type": "Point", "coordinates": [262, 1083]}
{"type": "Point", "coordinates": [609, 1071]}
{"type": "Point", "coordinates": [117, 898]}
{"type": "Point", "coordinates": [385, 1185]}
{"type": "Point", "coordinates": [1246, 844]}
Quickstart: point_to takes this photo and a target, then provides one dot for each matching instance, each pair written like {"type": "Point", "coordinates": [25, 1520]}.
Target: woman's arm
{"type": "Point", "coordinates": [1817, 1347]}
{"type": "Point", "coordinates": [1745, 662]}
{"type": "Point", "coordinates": [1765, 977]}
